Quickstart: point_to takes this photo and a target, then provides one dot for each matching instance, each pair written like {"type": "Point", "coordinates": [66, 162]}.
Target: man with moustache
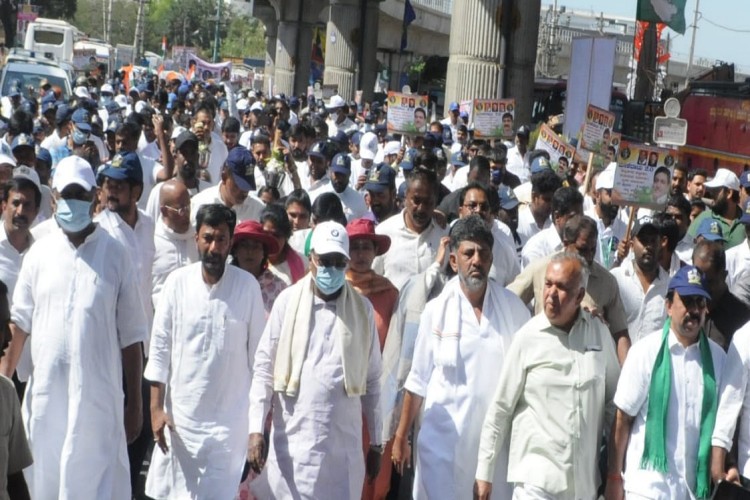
{"type": "Point", "coordinates": [352, 201]}
{"type": "Point", "coordinates": [463, 336]}
{"type": "Point", "coordinates": [610, 227]}
{"type": "Point", "coordinates": [381, 192]}
{"type": "Point", "coordinates": [317, 181]}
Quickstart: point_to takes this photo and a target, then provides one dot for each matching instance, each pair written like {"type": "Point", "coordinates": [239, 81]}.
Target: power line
{"type": "Point", "coordinates": [704, 18]}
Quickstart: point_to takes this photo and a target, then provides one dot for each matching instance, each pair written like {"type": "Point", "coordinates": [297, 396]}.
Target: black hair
{"type": "Point", "coordinates": [576, 225]}
{"type": "Point", "coordinates": [20, 122]}
{"type": "Point", "coordinates": [214, 215]}
{"type": "Point", "coordinates": [277, 214]}
{"type": "Point", "coordinates": [565, 200]}
{"type": "Point", "coordinates": [425, 176]}
{"type": "Point", "coordinates": [681, 167]}
{"type": "Point", "coordinates": [712, 251]}
{"type": "Point", "coordinates": [667, 227]}
{"type": "Point", "coordinates": [300, 197]}
{"type": "Point", "coordinates": [426, 159]}
{"type": "Point", "coordinates": [328, 207]}
{"type": "Point", "coordinates": [471, 228]}
{"type": "Point", "coordinates": [663, 170]}
{"type": "Point", "coordinates": [270, 189]}
{"type": "Point", "coordinates": [129, 130]}
{"type": "Point", "coordinates": [701, 172]}
{"type": "Point", "coordinates": [19, 183]}
{"type": "Point", "coordinates": [680, 203]}
{"type": "Point", "coordinates": [480, 163]}
{"type": "Point", "coordinates": [206, 105]}
{"type": "Point", "coordinates": [469, 187]}
{"type": "Point", "coordinates": [231, 125]}
{"type": "Point", "coordinates": [545, 181]}
{"type": "Point", "coordinates": [260, 139]}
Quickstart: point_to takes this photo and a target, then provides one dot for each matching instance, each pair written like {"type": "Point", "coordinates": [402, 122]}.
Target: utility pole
{"type": "Point", "coordinates": [217, 40]}
{"type": "Point", "coordinates": [138, 43]}
{"type": "Point", "coordinates": [108, 38]}
{"type": "Point", "coordinates": [692, 43]}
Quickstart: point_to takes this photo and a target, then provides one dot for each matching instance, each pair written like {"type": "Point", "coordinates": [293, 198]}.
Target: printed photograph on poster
{"type": "Point", "coordinates": [596, 133]}
{"type": "Point", "coordinates": [204, 70]}
{"type": "Point", "coordinates": [561, 153]}
{"type": "Point", "coordinates": [614, 144]}
{"type": "Point", "coordinates": [407, 113]}
{"type": "Point", "coordinates": [493, 118]}
{"type": "Point", "coordinates": [643, 175]}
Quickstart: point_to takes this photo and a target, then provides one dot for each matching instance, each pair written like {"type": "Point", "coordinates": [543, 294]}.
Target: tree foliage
{"type": "Point", "coordinates": [245, 38]}
{"type": "Point", "coordinates": [89, 18]}
{"type": "Point", "coordinates": [183, 22]}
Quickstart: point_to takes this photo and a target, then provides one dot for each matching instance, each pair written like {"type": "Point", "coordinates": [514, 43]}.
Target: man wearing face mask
{"type": "Point", "coordinates": [83, 315]}
{"type": "Point", "coordinates": [317, 369]}
{"type": "Point", "coordinates": [610, 227]}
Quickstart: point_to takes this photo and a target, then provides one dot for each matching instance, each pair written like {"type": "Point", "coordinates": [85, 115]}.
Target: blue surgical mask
{"type": "Point", "coordinates": [329, 279]}
{"type": "Point", "coordinates": [79, 137]}
{"type": "Point", "coordinates": [73, 216]}
{"type": "Point", "coordinates": [496, 177]}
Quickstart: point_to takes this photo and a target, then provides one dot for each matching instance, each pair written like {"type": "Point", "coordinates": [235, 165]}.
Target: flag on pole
{"type": "Point", "coordinates": [409, 17]}
{"type": "Point", "coordinates": [669, 12]}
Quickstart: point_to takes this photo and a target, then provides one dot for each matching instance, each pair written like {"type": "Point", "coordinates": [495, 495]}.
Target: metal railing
{"type": "Point", "coordinates": [443, 6]}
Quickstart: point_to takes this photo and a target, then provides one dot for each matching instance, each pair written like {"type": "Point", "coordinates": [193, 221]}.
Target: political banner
{"type": "Point", "coordinates": [181, 54]}
{"type": "Point", "coordinates": [199, 69]}
{"type": "Point", "coordinates": [468, 108]}
{"type": "Point", "coordinates": [493, 118]}
{"type": "Point", "coordinates": [407, 113]}
{"type": "Point", "coordinates": [596, 132]}
{"type": "Point", "coordinates": [84, 59]}
{"type": "Point", "coordinates": [643, 175]}
{"type": "Point", "coordinates": [561, 153]}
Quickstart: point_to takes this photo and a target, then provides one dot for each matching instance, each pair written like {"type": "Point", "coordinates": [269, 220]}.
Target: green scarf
{"type": "Point", "coordinates": [654, 448]}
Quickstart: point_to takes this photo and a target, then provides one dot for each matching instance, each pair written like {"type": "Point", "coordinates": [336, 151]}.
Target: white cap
{"type": "Point", "coordinates": [724, 178]}
{"type": "Point", "coordinates": [392, 148]}
{"type": "Point", "coordinates": [336, 101]}
{"type": "Point", "coordinates": [122, 101]}
{"type": "Point", "coordinates": [107, 88]}
{"type": "Point", "coordinates": [177, 131]}
{"type": "Point", "coordinates": [82, 92]}
{"type": "Point", "coordinates": [368, 146]}
{"type": "Point", "coordinates": [242, 105]}
{"type": "Point", "coordinates": [73, 170]}
{"type": "Point", "coordinates": [140, 106]}
{"type": "Point", "coordinates": [330, 237]}
{"type": "Point", "coordinates": [7, 160]}
{"type": "Point", "coordinates": [606, 179]}
{"type": "Point", "coordinates": [257, 106]}
{"type": "Point", "coordinates": [28, 173]}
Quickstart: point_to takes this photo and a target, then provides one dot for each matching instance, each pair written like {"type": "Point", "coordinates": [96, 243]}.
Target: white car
{"type": "Point", "coordinates": [26, 74]}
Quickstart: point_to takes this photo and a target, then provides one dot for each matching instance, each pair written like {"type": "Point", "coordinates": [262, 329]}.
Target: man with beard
{"type": "Point", "coordinates": [660, 446]}
{"type": "Point", "coordinates": [121, 183]}
{"type": "Point", "coordinates": [207, 327]}
{"type": "Point", "coordinates": [338, 119]}
{"type": "Point", "coordinates": [725, 189]}
{"type": "Point", "coordinates": [610, 227]}
{"type": "Point", "coordinates": [463, 336]}
{"type": "Point", "coordinates": [317, 181]}
{"type": "Point", "coordinates": [415, 236]}
{"type": "Point", "coordinates": [554, 396]}
{"type": "Point", "coordinates": [535, 217]}
{"type": "Point", "coordinates": [381, 192]}
{"type": "Point", "coordinates": [678, 185]}
{"type": "Point", "coordinates": [126, 141]}
{"type": "Point", "coordinates": [352, 201]}
{"type": "Point", "coordinates": [642, 281]}
{"type": "Point", "coordinates": [678, 209]}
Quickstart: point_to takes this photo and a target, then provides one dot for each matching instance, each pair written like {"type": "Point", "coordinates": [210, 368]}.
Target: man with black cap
{"type": "Point", "coordinates": [642, 281]}
{"type": "Point", "coordinates": [667, 402]}
{"type": "Point", "coordinates": [318, 160]}
{"type": "Point", "coordinates": [381, 192]}
{"type": "Point", "coordinates": [236, 182]}
{"type": "Point", "coordinates": [352, 201]}
{"type": "Point", "coordinates": [516, 164]}
{"type": "Point", "coordinates": [59, 137]}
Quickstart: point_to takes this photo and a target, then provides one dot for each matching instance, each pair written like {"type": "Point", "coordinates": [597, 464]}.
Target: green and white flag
{"type": "Point", "coordinates": [669, 12]}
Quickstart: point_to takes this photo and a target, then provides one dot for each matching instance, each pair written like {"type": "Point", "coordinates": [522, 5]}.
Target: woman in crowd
{"type": "Point", "coordinates": [287, 264]}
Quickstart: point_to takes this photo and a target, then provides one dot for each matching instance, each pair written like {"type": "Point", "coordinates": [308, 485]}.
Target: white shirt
{"type": "Point", "coordinates": [505, 266]}
{"type": "Point", "coordinates": [219, 153]}
{"type": "Point", "coordinates": [316, 188]}
{"type": "Point", "coordinates": [683, 416]}
{"type": "Point", "coordinates": [608, 238]}
{"type": "Point", "coordinates": [410, 253]}
{"type": "Point", "coordinates": [203, 349]}
{"type": "Point", "coordinates": [645, 310]}
{"type": "Point", "coordinates": [346, 125]}
{"type": "Point", "coordinates": [172, 251]}
{"type": "Point", "coordinates": [738, 262]}
{"type": "Point", "coordinates": [81, 308]}
{"type": "Point", "coordinates": [544, 243]}
{"type": "Point", "coordinates": [516, 164]}
{"type": "Point", "coordinates": [456, 399]}
{"type": "Point", "coordinates": [685, 247]}
{"type": "Point", "coordinates": [148, 149]}
{"type": "Point", "coordinates": [352, 201]}
{"type": "Point", "coordinates": [735, 400]}
{"type": "Point", "coordinates": [53, 141]}
{"type": "Point", "coordinates": [249, 210]}
{"type": "Point", "coordinates": [316, 437]}
{"type": "Point", "coordinates": [553, 401]}
{"type": "Point", "coordinates": [527, 226]}
{"type": "Point", "coordinates": [10, 261]}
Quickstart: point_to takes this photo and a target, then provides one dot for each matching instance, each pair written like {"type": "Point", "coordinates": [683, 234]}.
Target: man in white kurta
{"type": "Point", "coordinates": [77, 302]}
{"type": "Point", "coordinates": [456, 365]}
{"type": "Point", "coordinates": [205, 334]}
{"type": "Point", "coordinates": [316, 438]}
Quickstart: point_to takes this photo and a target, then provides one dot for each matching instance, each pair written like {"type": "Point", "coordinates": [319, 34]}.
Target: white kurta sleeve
{"type": "Point", "coordinates": [733, 389]}
{"type": "Point", "coordinates": [422, 361]}
{"type": "Point", "coordinates": [635, 379]}
{"type": "Point", "coordinates": [371, 400]}
{"type": "Point", "coordinates": [497, 422]}
{"type": "Point", "coordinates": [160, 350]}
{"type": "Point", "coordinates": [612, 375]}
{"type": "Point", "coordinates": [256, 323]}
{"type": "Point", "coordinates": [22, 310]}
{"type": "Point", "coordinates": [131, 320]}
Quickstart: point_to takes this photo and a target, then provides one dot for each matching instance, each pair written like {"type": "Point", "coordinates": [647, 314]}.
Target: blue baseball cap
{"type": "Point", "coordinates": [242, 166]}
{"type": "Point", "coordinates": [44, 156]}
{"type": "Point", "coordinates": [82, 119]}
{"type": "Point", "coordinates": [439, 153]}
{"type": "Point", "coordinates": [710, 229]}
{"type": "Point", "coordinates": [124, 166]}
{"type": "Point", "coordinates": [689, 281]}
{"type": "Point", "coordinates": [408, 162]}
{"type": "Point", "coordinates": [341, 164]}
{"type": "Point", "coordinates": [540, 164]}
{"type": "Point", "coordinates": [508, 199]}
{"type": "Point", "coordinates": [381, 178]}
{"type": "Point", "coordinates": [112, 107]}
{"type": "Point", "coordinates": [745, 219]}
{"type": "Point", "coordinates": [22, 141]}
{"type": "Point", "coordinates": [62, 114]}
{"type": "Point", "coordinates": [48, 105]}
{"type": "Point", "coordinates": [356, 138]}
{"type": "Point", "coordinates": [454, 107]}
{"type": "Point", "coordinates": [745, 179]}
{"type": "Point", "coordinates": [459, 159]}
{"type": "Point", "coordinates": [294, 101]}
{"type": "Point", "coordinates": [318, 150]}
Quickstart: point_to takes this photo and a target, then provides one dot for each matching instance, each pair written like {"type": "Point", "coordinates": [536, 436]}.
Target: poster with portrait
{"type": "Point", "coordinates": [643, 175]}
{"type": "Point", "coordinates": [493, 118]}
{"type": "Point", "coordinates": [199, 69]}
{"type": "Point", "coordinates": [407, 113]}
{"type": "Point", "coordinates": [596, 132]}
{"type": "Point", "coordinates": [561, 153]}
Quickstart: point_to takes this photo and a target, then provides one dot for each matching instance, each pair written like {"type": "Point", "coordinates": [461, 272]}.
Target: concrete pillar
{"type": "Point", "coordinates": [293, 44]}
{"type": "Point", "coordinates": [369, 63]}
{"type": "Point", "coordinates": [521, 58]}
{"type": "Point", "coordinates": [286, 43]}
{"type": "Point", "coordinates": [343, 37]}
{"type": "Point", "coordinates": [266, 13]}
{"type": "Point", "coordinates": [474, 61]}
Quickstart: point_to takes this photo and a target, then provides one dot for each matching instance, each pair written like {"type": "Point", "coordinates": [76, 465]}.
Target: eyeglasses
{"type": "Point", "coordinates": [477, 207]}
{"type": "Point", "coordinates": [182, 211]}
{"type": "Point", "coordinates": [339, 263]}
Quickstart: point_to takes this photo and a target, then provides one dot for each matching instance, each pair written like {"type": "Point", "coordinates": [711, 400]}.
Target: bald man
{"type": "Point", "coordinates": [174, 238]}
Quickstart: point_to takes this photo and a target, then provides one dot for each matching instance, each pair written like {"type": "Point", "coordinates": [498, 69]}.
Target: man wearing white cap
{"type": "Point", "coordinates": [317, 370]}
{"type": "Point", "coordinates": [85, 320]}
{"type": "Point", "coordinates": [611, 228]}
{"type": "Point", "coordinates": [338, 120]}
{"type": "Point", "coordinates": [725, 188]}
{"type": "Point", "coordinates": [368, 149]}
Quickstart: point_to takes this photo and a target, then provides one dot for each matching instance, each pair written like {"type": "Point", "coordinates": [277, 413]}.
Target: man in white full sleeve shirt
{"type": "Point", "coordinates": [206, 330]}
